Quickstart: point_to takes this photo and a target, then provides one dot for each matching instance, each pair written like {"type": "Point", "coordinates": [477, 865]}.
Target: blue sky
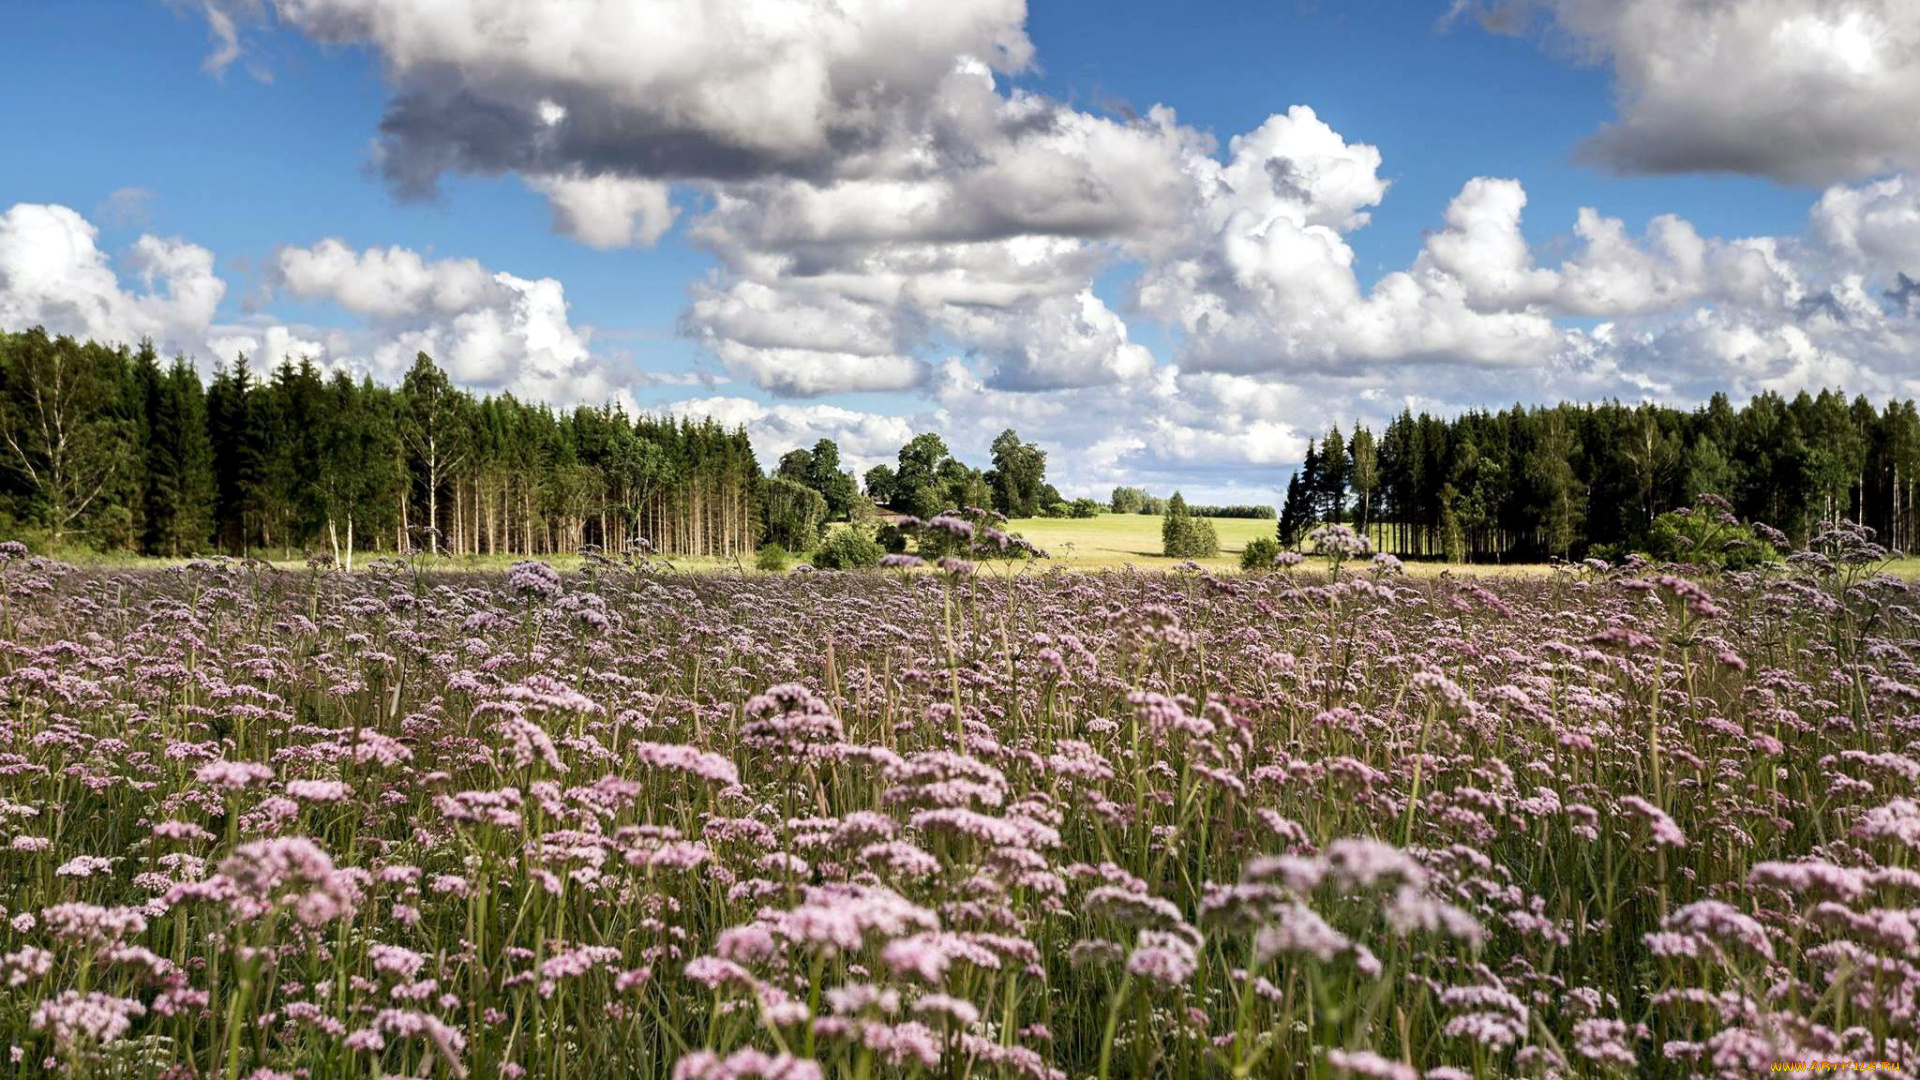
{"type": "Point", "coordinates": [277, 151]}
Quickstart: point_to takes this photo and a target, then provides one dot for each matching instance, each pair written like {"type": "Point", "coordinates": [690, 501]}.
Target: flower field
{"type": "Point", "coordinates": [1605, 822]}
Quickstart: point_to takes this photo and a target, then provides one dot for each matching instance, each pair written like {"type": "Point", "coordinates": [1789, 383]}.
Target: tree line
{"type": "Point", "coordinates": [110, 446]}
{"type": "Point", "coordinates": [1569, 480]}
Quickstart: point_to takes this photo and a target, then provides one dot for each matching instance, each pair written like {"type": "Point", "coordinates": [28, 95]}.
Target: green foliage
{"type": "Point", "coordinates": [67, 436]}
{"type": "Point", "coordinates": [881, 484]}
{"type": "Point", "coordinates": [1253, 513]}
{"type": "Point", "coordinates": [772, 558]}
{"type": "Point", "coordinates": [1705, 537]}
{"type": "Point", "coordinates": [819, 469]}
{"type": "Point", "coordinates": [1084, 508]}
{"type": "Point", "coordinates": [851, 548]}
{"type": "Point", "coordinates": [1259, 554]}
{"type": "Point", "coordinates": [1183, 536]}
{"type": "Point", "coordinates": [1018, 478]}
{"type": "Point", "coordinates": [795, 514]}
{"type": "Point", "coordinates": [1128, 500]}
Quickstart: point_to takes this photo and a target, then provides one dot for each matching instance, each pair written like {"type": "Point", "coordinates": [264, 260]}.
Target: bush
{"type": "Point", "coordinates": [972, 534]}
{"type": "Point", "coordinates": [1259, 553]}
{"type": "Point", "coordinates": [771, 557]}
{"type": "Point", "coordinates": [1084, 508]}
{"type": "Point", "coordinates": [848, 549]}
{"type": "Point", "coordinates": [1704, 537]}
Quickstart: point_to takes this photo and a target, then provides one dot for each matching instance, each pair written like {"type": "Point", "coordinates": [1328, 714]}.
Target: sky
{"type": "Point", "coordinates": [1168, 242]}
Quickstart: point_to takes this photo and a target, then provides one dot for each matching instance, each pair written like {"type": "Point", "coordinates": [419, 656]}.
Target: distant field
{"type": "Point", "coordinates": [1107, 542]}
{"type": "Point", "coordinates": [1128, 539]}
{"type": "Point", "coordinates": [1115, 540]}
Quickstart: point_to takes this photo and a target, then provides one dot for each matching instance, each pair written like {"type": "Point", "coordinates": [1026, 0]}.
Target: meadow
{"type": "Point", "coordinates": [614, 820]}
{"type": "Point", "coordinates": [1106, 542]}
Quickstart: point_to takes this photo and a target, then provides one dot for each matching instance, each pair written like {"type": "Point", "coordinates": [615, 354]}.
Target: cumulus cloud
{"type": "Point", "coordinates": [1873, 226]}
{"type": "Point", "coordinates": [664, 89]}
{"type": "Point", "coordinates": [271, 342]}
{"type": "Point", "coordinates": [53, 274]}
{"type": "Point", "coordinates": [489, 329]}
{"type": "Point", "coordinates": [492, 330]}
{"type": "Point", "coordinates": [1266, 282]}
{"type": "Point", "coordinates": [865, 439]}
{"type": "Point", "coordinates": [608, 211]}
{"type": "Point", "coordinates": [1804, 91]}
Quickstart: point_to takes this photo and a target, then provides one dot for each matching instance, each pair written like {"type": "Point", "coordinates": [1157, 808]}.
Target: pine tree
{"type": "Point", "coordinates": [235, 424]}
{"type": "Point", "coordinates": [1333, 476]}
{"type": "Point", "coordinates": [1294, 513]}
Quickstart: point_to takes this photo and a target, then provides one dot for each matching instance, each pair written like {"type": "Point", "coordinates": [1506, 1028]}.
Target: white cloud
{"type": "Point", "coordinates": [490, 330]}
{"type": "Point", "coordinates": [384, 282]}
{"type": "Point", "coordinates": [609, 211]}
{"type": "Point", "coordinates": [53, 273]}
{"type": "Point", "coordinates": [1804, 91]}
{"type": "Point", "coordinates": [1875, 226]}
{"type": "Point", "coordinates": [667, 88]}
{"type": "Point", "coordinates": [865, 439]}
{"type": "Point", "coordinates": [266, 345]}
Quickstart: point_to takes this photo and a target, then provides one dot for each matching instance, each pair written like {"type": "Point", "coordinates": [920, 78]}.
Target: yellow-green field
{"type": "Point", "coordinates": [1107, 542]}
{"type": "Point", "coordinates": [1111, 541]}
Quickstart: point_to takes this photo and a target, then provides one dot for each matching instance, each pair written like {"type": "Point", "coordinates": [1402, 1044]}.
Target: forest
{"type": "Point", "coordinates": [1573, 480]}
{"type": "Point", "coordinates": [110, 447]}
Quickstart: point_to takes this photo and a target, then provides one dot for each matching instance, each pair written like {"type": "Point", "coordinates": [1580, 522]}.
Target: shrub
{"type": "Point", "coordinates": [771, 557]}
{"type": "Point", "coordinates": [1084, 508]}
{"type": "Point", "coordinates": [848, 549]}
{"type": "Point", "coordinates": [1259, 553]}
{"type": "Point", "coordinates": [1704, 537]}
{"type": "Point", "coordinates": [973, 534]}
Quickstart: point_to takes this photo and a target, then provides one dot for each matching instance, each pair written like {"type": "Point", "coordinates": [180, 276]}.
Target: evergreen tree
{"type": "Point", "coordinates": [1295, 512]}
{"type": "Point", "coordinates": [1333, 476]}
{"type": "Point", "coordinates": [1183, 536]}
